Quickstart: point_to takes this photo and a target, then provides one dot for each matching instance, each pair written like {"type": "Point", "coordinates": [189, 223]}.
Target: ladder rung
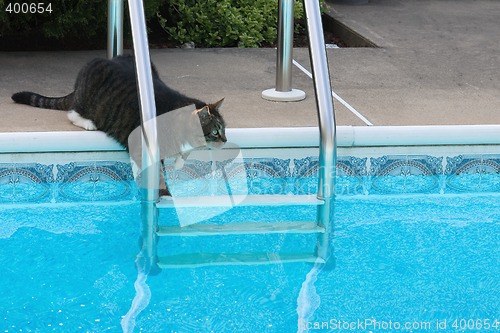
{"type": "Point", "coordinates": [239, 200]}
{"type": "Point", "coordinates": [193, 260]}
{"type": "Point", "coordinates": [241, 228]}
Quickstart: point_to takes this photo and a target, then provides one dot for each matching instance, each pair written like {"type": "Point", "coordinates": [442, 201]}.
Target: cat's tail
{"type": "Point", "coordinates": [37, 100]}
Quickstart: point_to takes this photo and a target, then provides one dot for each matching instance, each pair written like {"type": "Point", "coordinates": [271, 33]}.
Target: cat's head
{"type": "Point", "coordinates": [212, 124]}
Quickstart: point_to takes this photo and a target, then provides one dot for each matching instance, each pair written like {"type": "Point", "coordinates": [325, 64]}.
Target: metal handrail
{"type": "Point", "coordinates": [327, 129]}
{"type": "Point", "coordinates": [150, 149]}
{"type": "Point", "coordinates": [285, 46]}
{"type": "Point", "coordinates": [284, 57]}
{"type": "Point", "coordinates": [150, 158]}
{"type": "Point", "coordinates": [150, 167]}
{"type": "Point", "coordinates": [321, 77]}
{"type": "Point", "coordinates": [150, 170]}
{"type": "Point", "coordinates": [115, 28]}
{"type": "Point", "coordinates": [324, 101]}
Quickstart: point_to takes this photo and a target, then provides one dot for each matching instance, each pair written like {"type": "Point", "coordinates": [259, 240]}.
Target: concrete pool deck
{"type": "Point", "coordinates": [436, 64]}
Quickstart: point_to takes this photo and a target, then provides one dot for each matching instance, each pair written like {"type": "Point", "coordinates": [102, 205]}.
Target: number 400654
{"type": "Point", "coordinates": [29, 8]}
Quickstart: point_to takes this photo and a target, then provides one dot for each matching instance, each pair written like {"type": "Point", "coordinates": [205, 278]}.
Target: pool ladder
{"type": "Point", "coordinates": [151, 204]}
{"type": "Point", "coordinates": [240, 228]}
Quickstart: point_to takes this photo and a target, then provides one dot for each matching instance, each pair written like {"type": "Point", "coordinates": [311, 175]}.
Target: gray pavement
{"type": "Point", "coordinates": [436, 63]}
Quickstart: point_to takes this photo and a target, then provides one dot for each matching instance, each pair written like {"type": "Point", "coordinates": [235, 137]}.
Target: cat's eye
{"type": "Point", "coordinates": [215, 132]}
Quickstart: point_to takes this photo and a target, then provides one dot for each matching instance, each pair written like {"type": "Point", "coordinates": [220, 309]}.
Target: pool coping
{"type": "Point", "coordinates": [58, 167]}
{"type": "Point", "coordinates": [282, 137]}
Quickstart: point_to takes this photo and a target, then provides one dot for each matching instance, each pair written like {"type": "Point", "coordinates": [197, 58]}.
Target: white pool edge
{"type": "Point", "coordinates": [347, 136]}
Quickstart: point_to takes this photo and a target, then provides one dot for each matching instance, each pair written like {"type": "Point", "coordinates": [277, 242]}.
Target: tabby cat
{"type": "Point", "coordinates": [105, 98]}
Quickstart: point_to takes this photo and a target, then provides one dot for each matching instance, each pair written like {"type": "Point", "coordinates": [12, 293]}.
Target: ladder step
{"type": "Point", "coordinates": [241, 228]}
{"type": "Point", "coordinates": [194, 260]}
{"type": "Point", "coordinates": [239, 200]}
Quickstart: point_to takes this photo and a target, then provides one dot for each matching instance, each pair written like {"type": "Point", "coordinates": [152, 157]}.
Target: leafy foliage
{"type": "Point", "coordinates": [223, 23]}
{"type": "Point", "coordinates": [207, 23]}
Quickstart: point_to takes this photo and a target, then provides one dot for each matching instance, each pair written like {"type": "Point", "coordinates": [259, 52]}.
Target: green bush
{"type": "Point", "coordinates": [223, 23]}
{"type": "Point", "coordinates": [207, 23]}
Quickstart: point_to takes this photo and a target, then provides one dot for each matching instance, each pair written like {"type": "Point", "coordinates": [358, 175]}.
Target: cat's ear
{"type": "Point", "coordinates": [204, 112]}
{"type": "Point", "coordinates": [217, 105]}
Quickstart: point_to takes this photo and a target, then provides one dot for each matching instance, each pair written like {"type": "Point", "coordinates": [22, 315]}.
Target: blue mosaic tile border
{"type": "Point", "coordinates": [71, 182]}
{"type": "Point", "coordinates": [97, 181]}
{"type": "Point", "coordinates": [114, 181]}
{"type": "Point", "coordinates": [26, 182]}
{"type": "Point", "coordinates": [430, 174]}
{"type": "Point", "coordinates": [411, 174]}
{"type": "Point", "coordinates": [466, 173]}
{"type": "Point", "coordinates": [390, 174]}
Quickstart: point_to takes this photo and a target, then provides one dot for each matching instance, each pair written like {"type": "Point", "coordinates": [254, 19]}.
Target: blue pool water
{"type": "Point", "coordinates": [414, 263]}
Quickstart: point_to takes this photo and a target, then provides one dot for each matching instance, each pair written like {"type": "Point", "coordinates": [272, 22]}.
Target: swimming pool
{"type": "Point", "coordinates": [415, 247]}
{"type": "Point", "coordinates": [426, 267]}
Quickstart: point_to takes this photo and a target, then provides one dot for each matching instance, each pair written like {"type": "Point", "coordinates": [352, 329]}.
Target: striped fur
{"type": "Point", "coordinates": [105, 92]}
{"type": "Point", "coordinates": [34, 99]}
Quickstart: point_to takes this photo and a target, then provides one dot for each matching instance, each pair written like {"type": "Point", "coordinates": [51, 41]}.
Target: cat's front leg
{"type": "Point", "coordinates": [180, 160]}
{"type": "Point", "coordinates": [163, 191]}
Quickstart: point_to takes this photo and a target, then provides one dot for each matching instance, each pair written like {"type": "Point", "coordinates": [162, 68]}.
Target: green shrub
{"type": "Point", "coordinates": [207, 23]}
{"type": "Point", "coordinates": [223, 23]}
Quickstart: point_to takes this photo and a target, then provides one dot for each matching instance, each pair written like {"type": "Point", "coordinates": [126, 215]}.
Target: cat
{"type": "Point", "coordinates": [105, 98]}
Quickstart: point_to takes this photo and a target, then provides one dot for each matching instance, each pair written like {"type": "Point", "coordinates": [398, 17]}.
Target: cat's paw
{"type": "Point", "coordinates": [79, 121]}
{"type": "Point", "coordinates": [90, 126]}
{"type": "Point", "coordinates": [179, 163]}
